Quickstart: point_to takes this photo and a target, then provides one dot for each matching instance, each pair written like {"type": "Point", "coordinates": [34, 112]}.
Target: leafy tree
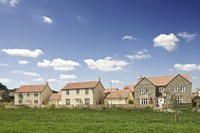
{"type": "Point", "coordinates": [3, 87]}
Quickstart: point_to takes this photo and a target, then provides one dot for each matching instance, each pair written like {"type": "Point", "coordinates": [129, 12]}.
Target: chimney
{"type": "Point", "coordinates": [46, 83]}
{"type": "Point", "coordinates": [139, 76]}
{"type": "Point", "coordinates": [98, 78]}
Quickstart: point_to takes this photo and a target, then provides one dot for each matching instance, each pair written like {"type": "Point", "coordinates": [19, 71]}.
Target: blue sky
{"type": "Point", "coordinates": [78, 40]}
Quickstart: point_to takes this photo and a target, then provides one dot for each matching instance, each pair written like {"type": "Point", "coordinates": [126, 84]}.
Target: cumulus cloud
{"type": "Point", "coordinates": [3, 65]}
{"type": "Point", "coordinates": [5, 80]}
{"type": "Point", "coordinates": [32, 74]}
{"type": "Point", "coordinates": [116, 81]}
{"type": "Point", "coordinates": [38, 79]}
{"type": "Point", "coordinates": [186, 35]}
{"type": "Point", "coordinates": [106, 64]}
{"type": "Point", "coordinates": [127, 37]}
{"type": "Point", "coordinates": [168, 42]}
{"type": "Point", "coordinates": [11, 3]}
{"type": "Point", "coordinates": [23, 52]}
{"type": "Point", "coordinates": [140, 55]}
{"type": "Point", "coordinates": [52, 80]}
{"type": "Point", "coordinates": [71, 76]}
{"type": "Point", "coordinates": [187, 67]}
{"type": "Point", "coordinates": [23, 62]}
{"type": "Point", "coordinates": [59, 64]}
{"type": "Point", "coordinates": [47, 20]}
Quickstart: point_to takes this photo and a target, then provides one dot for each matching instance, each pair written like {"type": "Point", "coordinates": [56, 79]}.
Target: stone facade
{"type": "Point", "coordinates": [179, 82]}
{"type": "Point", "coordinates": [150, 95]}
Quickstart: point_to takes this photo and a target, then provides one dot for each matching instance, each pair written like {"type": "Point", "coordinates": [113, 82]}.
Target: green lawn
{"type": "Point", "coordinates": [105, 121]}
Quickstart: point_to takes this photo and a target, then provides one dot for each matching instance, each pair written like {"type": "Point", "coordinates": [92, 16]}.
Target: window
{"type": "Point", "coordinates": [35, 94]}
{"type": "Point", "coordinates": [87, 101]}
{"type": "Point", "coordinates": [182, 89]}
{"type": "Point", "coordinates": [179, 100]}
{"type": "Point", "coordinates": [20, 101]}
{"type": "Point", "coordinates": [86, 91]}
{"type": "Point", "coordinates": [67, 92]}
{"type": "Point", "coordinates": [161, 89]}
{"type": "Point", "coordinates": [147, 90]}
{"type": "Point", "coordinates": [67, 101]}
{"type": "Point", "coordinates": [35, 101]}
{"type": "Point", "coordinates": [28, 94]}
{"type": "Point", "coordinates": [77, 91]}
{"type": "Point", "coordinates": [141, 90]}
{"type": "Point", "coordinates": [175, 89]}
{"type": "Point", "coordinates": [144, 101]}
{"type": "Point", "coordinates": [78, 101]}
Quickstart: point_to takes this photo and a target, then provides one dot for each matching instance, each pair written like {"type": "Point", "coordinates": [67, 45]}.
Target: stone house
{"type": "Point", "coordinates": [55, 99]}
{"type": "Point", "coordinates": [159, 90]}
{"type": "Point", "coordinates": [83, 93]}
{"type": "Point", "coordinates": [33, 95]}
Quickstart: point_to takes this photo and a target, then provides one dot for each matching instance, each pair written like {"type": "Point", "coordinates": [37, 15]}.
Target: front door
{"type": "Point", "coordinates": [161, 101]}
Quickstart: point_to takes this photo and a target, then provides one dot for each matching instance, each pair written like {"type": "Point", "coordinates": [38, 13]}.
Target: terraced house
{"type": "Point", "coordinates": [83, 93]}
{"type": "Point", "coordinates": [159, 90]}
{"type": "Point", "coordinates": [33, 95]}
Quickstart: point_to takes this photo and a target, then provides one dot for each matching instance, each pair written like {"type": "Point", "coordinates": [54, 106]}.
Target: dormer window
{"type": "Point", "coordinates": [161, 89]}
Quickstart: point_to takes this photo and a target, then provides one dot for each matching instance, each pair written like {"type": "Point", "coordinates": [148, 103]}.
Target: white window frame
{"type": "Point", "coordinates": [175, 89]}
{"type": "Point", "coordinates": [78, 101]}
{"type": "Point", "coordinates": [86, 91]}
{"type": "Point", "coordinates": [144, 101]}
{"type": "Point", "coordinates": [67, 101]}
{"type": "Point", "coordinates": [28, 94]}
{"type": "Point", "coordinates": [161, 89]}
{"type": "Point", "coordinates": [182, 89]}
{"type": "Point", "coordinates": [36, 101]}
{"type": "Point", "coordinates": [141, 90]}
{"type": "Point", "coordinates": [179, 100]}
{"type": "Point", "coordinates": [67, 92]}
{"type": "Point", "coordinates": [148, 90]}
{"type": "Point", "coordinates": [87, 101]}
{"type": "Point", "coordinates": [36, 94]}
{"type": "Point", "coordinates": [77, 91]}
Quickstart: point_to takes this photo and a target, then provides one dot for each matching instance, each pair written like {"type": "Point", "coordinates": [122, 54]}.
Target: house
{"type": "Point", "coordinates": [115, 96]}
{"type": "Point", "coordinates": [159, 90]}
{"type": "Point", "coordinates": [55, 98]}
{"type": "Point", "coordinates": [2, 92]}
{"type": "Point", "coordinates": [33, 94]}
{"type": "Point", "coordinates": [83, 93]}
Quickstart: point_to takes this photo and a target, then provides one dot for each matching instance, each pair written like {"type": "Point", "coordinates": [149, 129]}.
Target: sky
{"type": "Point", "coordinates": [78, 40]}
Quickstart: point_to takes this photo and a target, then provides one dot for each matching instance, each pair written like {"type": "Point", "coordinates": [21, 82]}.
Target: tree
{"type": "Point", "coordinates": [3, 87]}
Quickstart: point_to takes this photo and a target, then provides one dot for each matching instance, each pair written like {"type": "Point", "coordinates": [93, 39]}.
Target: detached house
{"type": "Point", "coordinates": [83, 93]}
{"type": "Point", "coordinates": [159, 90]}
{"type": "Point", "coordinates": [35, 95]}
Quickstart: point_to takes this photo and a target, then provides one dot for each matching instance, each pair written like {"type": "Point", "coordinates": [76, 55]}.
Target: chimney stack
{"type": "Point", "coordinates": [139, 76]}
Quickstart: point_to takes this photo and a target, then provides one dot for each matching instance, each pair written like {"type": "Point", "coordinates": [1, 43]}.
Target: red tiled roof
{"type": "Point", "coordinates": [80, 85]}
{"type": "Point", "coordinates": [129, 87]}
{"type": "Point", "coordinates": [31, 88]}
{"type": "Point", "coordinates": [108, 90]}
{"type": "Point", "coordinates": [55, 96]}
{"type": "Point", "coordinates": [164, 80]}
{"type": "Point", "coordinates": [117, 94]}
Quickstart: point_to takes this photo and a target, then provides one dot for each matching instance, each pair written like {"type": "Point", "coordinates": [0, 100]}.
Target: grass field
{"type": "Point", "coordinates": [93, 121]}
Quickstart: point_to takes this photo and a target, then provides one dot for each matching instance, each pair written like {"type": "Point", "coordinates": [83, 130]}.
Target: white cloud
{"type": "Point", "coordinates": [71, 76]}
{"type": "Point", "coordinates": [126, 37]}
{"type": "Point", "coordinates": [47, 20]}
{"type": "Point", "coordinates": [23, 52]}
{"type": "Point", "coordinates": [11, 3]}
{"type": "Point", "coordinates": [32, 74]}
{"type": "Point", "coordinates": [59, 64]}
{"type": "Point", "coordinates": [5, 80]}
{"type": "Point", "coordinates": [194, 77]}
{"type": "Point", "coordinates": [187, 67]}
{"type": "Point", "coordinates": [116, 81]}
{"type": "Point", "coordinates": [171, 70]}
{"type": "Point", "coordinates": [38, 79]}
{"type": "Point", "coordinates": [106, 64]}
{"type": "Point", "coordinates": [140, 55]}
{"type": "Point", "coordinates": [23, 62]}
{"type": "Point", "coordinates": [186, 35]}
{"type": "Point", "coordinates": [168, 42]}
{"type": "Point", "coordinates": [3, 65]}
{"type": "Point", "coordinates": [52, 80]}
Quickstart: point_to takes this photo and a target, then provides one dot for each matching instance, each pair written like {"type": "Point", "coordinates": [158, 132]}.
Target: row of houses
{"type": "Point", "coordinates": [147, 90]}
